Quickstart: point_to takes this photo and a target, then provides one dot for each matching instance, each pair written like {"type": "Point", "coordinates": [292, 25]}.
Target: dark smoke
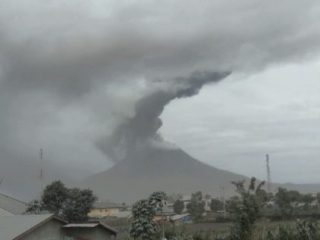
{"type": "Point", "coordinates": [139, 131]}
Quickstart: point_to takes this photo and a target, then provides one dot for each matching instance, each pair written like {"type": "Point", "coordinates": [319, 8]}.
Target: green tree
{"type": "Point", "coordinates": [216, 205]}
{"type": "Point", "coordinates": [143, 212]}
{"type": "Point", "coordinates": [71, 204]}
{"type": "Point", "coordinates": [318, 198]}
{"type": "Point", "coordinates": [307, 199]}
{"type": "Point", "coordinates": [34, 207]}
{"type": "Point", "coordinates": [178, 206]}
{"type": "Point", "coordinates": [284, 200]}
{"type": "Point", "coordinates": [78, 204]}
{"type": "Point", "coordinates": [246, 210]}
{"type": "Point", "coordinates": [196, 206]}
{"type": "Point", "coordinates": [54, 196]}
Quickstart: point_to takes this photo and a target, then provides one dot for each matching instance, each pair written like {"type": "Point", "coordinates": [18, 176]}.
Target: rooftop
{"type": "Point", "coordinates": [12, 227]}
{"type": "Point", "coordinates": [12, 205]}
{"type": "Point", "coordinates": [107, 204]}
{"type": "Point", "coordinates": [90, 225]}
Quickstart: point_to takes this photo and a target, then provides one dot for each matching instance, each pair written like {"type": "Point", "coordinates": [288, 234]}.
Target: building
{"type": "Point", "coordinates": [49, 227]}
{"type": "Point", "coordinates": [89, 231]}
{"type": "Point", "coordinates": [181, 219]}
{"type": "Point", "coordinates": [164, 214]}
{"type": "Point", "coordinates": [10, 206]}
{"type": "Point", "coordinates": [31, 227]}
{"type": "Point", "coordinates": [106, 209]}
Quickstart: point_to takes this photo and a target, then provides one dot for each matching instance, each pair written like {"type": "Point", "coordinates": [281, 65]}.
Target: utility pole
{"type": "Point", "coordinates": [268, 173]}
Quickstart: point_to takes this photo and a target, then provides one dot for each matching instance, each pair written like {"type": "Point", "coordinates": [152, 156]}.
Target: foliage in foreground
{"type": "Point", "coordinates": [246, 210]}
{"type": "Point", "coordinates": [301, 230]}
{"type": "Point", "coordinates": [143, 225]}
{"type": "Point", "coordinates": [72, 204]}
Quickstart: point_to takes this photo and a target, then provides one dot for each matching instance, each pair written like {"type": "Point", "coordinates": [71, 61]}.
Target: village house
{"type": "Point", "coordinates": [179, 219]}
{"type": "Point", "coordinates": [89, 231]}
{"type": "Point", "coordinates": [50, 227]}
{"type": "Point", "coordinates": [31, 227]}
{"type": "Point", "coordinates": [10, 206]}
{"type": "Point", "coordinates": [107, 209]}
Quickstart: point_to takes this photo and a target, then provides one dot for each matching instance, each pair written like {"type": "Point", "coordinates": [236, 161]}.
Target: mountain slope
{"type": "Point", "coordinates": [169, 170]}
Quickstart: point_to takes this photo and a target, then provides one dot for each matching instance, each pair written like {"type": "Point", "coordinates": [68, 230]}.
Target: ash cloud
{"type": "Point", "coordinates": [73, 72]}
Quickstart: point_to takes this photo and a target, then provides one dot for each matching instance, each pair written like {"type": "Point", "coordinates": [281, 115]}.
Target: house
{"type": "Point", "coordinates": [122, 214]}
{"type": "Point", "coordinates": [164, 214]}
{"type": "Point", "coordinates": [89, 231]}
{"type": "Point", "coordinates": [106, 209]}
{"type": "Point", "coordinates": [10, 206]}
{"type": "Point", "coordinates": [181, 219]}
{"type": "Point", "coordinates": [49, 227]}
{"type": "Point", "coordinates": [31, 227]}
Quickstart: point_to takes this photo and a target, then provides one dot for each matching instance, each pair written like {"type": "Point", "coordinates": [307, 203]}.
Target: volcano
{"type": "Point", "coordinates": [160, 169]}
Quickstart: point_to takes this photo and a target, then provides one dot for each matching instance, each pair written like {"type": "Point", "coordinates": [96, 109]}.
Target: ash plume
{"type": "Point", "coordinates": [138, 132]}
{"type": "Point", "coordinates": [71, 71]}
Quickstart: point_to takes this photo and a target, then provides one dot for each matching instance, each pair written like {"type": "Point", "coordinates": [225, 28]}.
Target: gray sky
{"type": "Point", "coordinates": [276, 111]}
{"type": "Point", "coordinates": [72, 71]}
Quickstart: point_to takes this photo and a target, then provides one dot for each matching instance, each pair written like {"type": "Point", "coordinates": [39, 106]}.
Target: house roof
{"type": "Point", "coordinates": [91, 225]}
{"type": "Point", "coordinates": [122, 214]}
{"type": "Point", "coordinates": [5, 213]}
{"type": "Point", "coordinates": [179, 216]}
{"type": "Point", "coordinates": [107, 204]}
{"type": "Point", "coordinates": [13, 227]}
{"type": "Point", "coordinates": [12, 205]}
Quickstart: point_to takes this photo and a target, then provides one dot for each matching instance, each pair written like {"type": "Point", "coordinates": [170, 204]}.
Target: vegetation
{"type": "Point", "coordinates": [196, 206]}
{"type": "Point", "coordinates": [143, 225]}
{"type": "Point", "coordinates": [178, 206]}
{"type": "Point", "coordinates": [246, 210]}
{"type": "Point", "coordinates": [250, 213]}
{"type": "Point", "coordinates": [216, 205]}
{"type": "Point", "coordinates": [72, 204]}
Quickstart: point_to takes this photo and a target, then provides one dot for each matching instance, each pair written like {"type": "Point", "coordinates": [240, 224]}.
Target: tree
{"type": "Point", "coordinates": [78, 204]}
{"type": "Point", "coordinates": [34, 207]}
{"type": "Point", "coordinates": [178, 206]}
{"type": "Point", "coordinates": [318, 198]}
{"type": "Point", "coordinates": [71, 204]}
{"type": "Point", "coordinates": [143, 212]}
{"type": "Point", "coordinates": [196, 206]}
{"type": "Point", "coordinates": [245, 210]}
{"type": "Point", "coordinates": [54, 196]}
{"type": "Point", "coordinates": [307, 199]}
{"type": "Point", "coordinates": [284, 199]}
{"type": "Point", "coordinates": [216, 205]}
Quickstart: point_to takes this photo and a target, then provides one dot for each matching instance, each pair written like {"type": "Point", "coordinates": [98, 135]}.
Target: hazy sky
{"type": "Point", "coordinates": [276, 111]}
{"type": "Point", "coordinates": [72, 71]}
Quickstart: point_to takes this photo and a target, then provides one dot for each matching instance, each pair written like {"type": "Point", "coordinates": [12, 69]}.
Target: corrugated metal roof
{"type": "Point", "coordinates": [81, 225]}
{"type": "Point", "coordinates": [5, 213]}
{"type": "Point", "coordinates": [179, 216]}
{"type": "Point", "coordinates": [122, 214]}
{"type": "Point", "coordinates": [90, 225]}
{"type": "Point", "coordinates": [13, 226]}
{"type": "Point", "coordinates": [12, 205]}
{"type": "Point", "coordinates": [107, 204]}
